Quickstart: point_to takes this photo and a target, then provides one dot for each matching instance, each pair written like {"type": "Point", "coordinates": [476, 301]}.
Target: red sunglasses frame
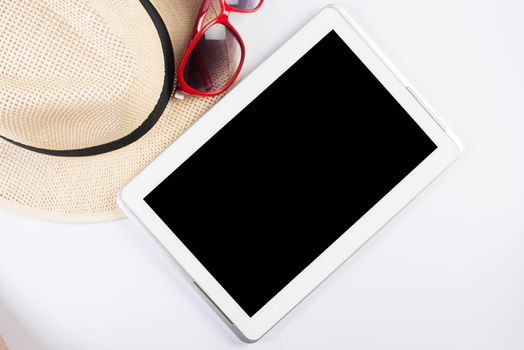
{"type": "Point", "coordinates": [198, 32]}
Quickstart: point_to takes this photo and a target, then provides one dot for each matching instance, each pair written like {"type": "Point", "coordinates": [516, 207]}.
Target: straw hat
{"type": "Point", "coordinates": [86, 100]}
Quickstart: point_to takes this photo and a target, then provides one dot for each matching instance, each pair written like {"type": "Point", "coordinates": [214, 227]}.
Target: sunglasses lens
{"type": "Point", "coordinates": [245, 5]}
{"type": "Point", "coordinates": [214, 60]}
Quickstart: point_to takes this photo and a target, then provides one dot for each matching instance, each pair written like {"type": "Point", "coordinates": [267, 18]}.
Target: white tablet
{"type": "Point", "coordinates": [290, 173]}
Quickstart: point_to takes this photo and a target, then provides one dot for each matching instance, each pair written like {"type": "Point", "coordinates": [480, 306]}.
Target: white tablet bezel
{"type": "Point", "coordinates": [330, 18]}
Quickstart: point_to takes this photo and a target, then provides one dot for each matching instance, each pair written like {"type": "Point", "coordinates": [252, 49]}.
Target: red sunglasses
{"type": "Point", "coordinates": [215, 55]}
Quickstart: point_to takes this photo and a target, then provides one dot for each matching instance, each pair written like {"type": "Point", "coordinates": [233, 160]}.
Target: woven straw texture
{"type": "Point", "coordinates": [99, 84]}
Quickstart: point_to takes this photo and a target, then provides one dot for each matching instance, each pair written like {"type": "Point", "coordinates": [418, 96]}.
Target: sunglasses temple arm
{"type": "Point", "coordinates": [204, 72]}
{"type": "Point", "coordinates": [201, 16]}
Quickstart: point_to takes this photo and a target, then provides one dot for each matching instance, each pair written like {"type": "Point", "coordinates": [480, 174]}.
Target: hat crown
{"type": "Point", "coordinates": [74, 74]}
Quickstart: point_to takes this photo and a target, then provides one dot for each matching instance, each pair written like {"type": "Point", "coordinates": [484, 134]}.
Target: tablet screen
{"type": "Point", "coordinates": [292, 172]}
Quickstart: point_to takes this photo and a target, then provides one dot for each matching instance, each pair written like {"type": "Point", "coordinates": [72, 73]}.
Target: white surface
{"type": "Point", "coordinates": [132, 196]}
{"type": "Point", "coordinates": [447, 273]}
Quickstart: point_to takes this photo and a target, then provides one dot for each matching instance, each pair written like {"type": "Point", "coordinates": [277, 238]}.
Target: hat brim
{"type": "Point", "coordinates": [84, 189]}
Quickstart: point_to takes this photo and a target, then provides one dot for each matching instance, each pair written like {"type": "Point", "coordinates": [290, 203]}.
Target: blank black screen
{"type": "Point", "coordinates": [290, 173]}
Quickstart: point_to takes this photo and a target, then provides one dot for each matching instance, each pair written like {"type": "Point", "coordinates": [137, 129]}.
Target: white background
{"type": "Point", "coordinates": [447, 273]}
